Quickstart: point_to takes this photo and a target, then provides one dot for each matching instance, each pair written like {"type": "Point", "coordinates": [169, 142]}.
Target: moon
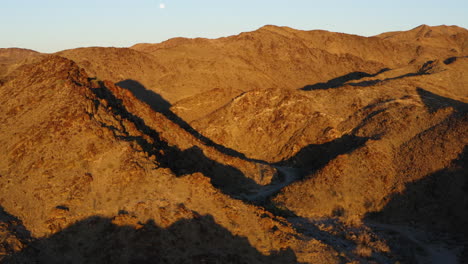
{"type": "Point", "coordinates": [162, 6]}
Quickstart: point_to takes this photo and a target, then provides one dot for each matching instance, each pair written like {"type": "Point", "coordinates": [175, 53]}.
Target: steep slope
{"type": "Point", "coordinates": [411, 133]}
{"type": "Point", "coordinates": [272, 146]}
{"type": "Point", "coordinates": [359, 182]}
{"type": "Point", "coordinates": [76, 149]}
{"type": "Point", "coordinates": [282, 122]}
{"type": "Point", "coordinates": [252, 60]}
{"type": "Point", "coordinates": [183, 71]}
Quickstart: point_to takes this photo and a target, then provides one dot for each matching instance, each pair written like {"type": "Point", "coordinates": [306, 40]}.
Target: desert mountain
{"type": "Point", "coordinates": [439, 37]}
{"type": "Point", "coordinates": [11, 58]}
{"type": "Point", "coordinates": [271, 146]}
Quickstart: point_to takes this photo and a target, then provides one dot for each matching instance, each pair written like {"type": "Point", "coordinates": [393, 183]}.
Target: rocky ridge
{"type": "Point", "coordinates": [276, 145]}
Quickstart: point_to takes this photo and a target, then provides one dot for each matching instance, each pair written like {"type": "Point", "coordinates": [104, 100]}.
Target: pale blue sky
{"type": "Point", "coordinates": [53, 25]}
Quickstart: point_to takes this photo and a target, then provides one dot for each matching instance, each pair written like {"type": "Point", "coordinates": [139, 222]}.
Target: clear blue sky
{"type": "Point", "coordinates": [53, 25]}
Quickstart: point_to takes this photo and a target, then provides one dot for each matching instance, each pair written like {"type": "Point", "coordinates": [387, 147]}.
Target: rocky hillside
{"type": "Point", "coordinates": [11, 58]}
{"type": "Point", "coordinates": [272, 146]}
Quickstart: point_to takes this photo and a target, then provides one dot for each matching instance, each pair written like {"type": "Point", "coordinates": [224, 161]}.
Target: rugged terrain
{"type": "Point", "coordinates": [272, 146]}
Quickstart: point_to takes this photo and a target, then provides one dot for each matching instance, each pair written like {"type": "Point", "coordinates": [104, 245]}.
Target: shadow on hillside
{"type": "Point", "coordinates": [101, 240]}
{"type": "Point", "coordinates": [342, 80]}
{"type": "Point", "coordinates": [7, 218]}
{"type": "Point", "coordinates": [353, 76]}
{"type": "Point", "coordinates": [331, 232]}
{"type": "Point", "coordinates": [424, 70]}
{"type": "Point", "coordinates": [13, 226]}
{"type": "Point", "coordinates": [228, 179]}
{"type": "Point", "coordinates": [453, 59]}
{"type": "Point", "coordinates": [434, 102]}
{"type": "Point", "coordinates": [159, 104]}
{"type": "Point", "coordinates": [436, 204]}
{"type": "Point", "coordinates": [154, 100]}
{"type": "Point", "coordinates": [316, 156]}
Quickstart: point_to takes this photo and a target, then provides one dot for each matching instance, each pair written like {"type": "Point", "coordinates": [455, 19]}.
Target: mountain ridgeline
{"type": "Point", "coordinates": [272, 146]}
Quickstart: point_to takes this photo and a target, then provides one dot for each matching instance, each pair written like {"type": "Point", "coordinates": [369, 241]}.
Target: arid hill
{"type": "Point", "coordinates": [14, 57]}
{"type": "Point", "coordinates": [272, 146]}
